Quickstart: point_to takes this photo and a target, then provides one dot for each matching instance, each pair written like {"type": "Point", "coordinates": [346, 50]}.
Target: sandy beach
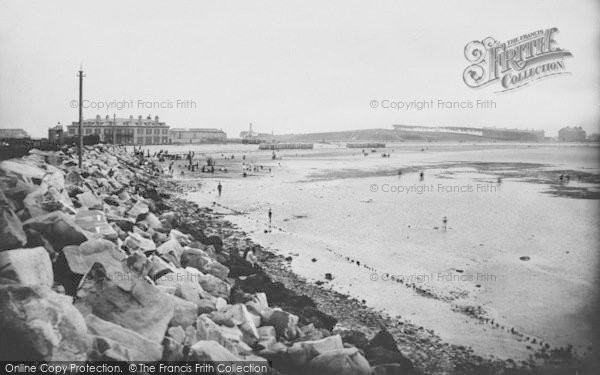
{"type": "Point", "coordinates": [490, 281]}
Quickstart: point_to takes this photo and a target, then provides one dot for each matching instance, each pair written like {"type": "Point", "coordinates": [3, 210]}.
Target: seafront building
{"type": "Point", "coordinates": [255, 137]}
{"type": "Point", "coordinates": [575, 134]}
{"type": "Point", "coordinates": [13, 134]}
{"type": "Point", "coordinates": [196, 135]}
{"type": "Point", "coordinates": [126, 131]}
{"type": "Point", "coordinates": [56, 133]}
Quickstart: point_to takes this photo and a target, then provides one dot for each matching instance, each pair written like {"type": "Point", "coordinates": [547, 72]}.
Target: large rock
{"type": "Point", "coordinates": [195, 258]}
{"type": "Point", "coordinates": [115, 343]}
{"type": "Point", "coordinates": [153, 222]}
{"type": "Point", "coordinates": [158, 267]}
{"type": "Point", "coordinates": [74, 178]}
{"type": "Point", "coordinates": [90, 200]}
{"type": "Point", "coordinates": [237, 316]}
{"type": "Point", "coordinates": [126, 299]}
{"type": "Point", "coordinates": [11, 229]}
{"type": "Point", "coordinates": [81, 258]}
{"type": "Point", "coordinates": [215, 286]}
{"type": "Point", "coordinates": [45, 200]}
{"type": "Point", "coordinates": [168, 219]}
{"type": "Point", "coordinates": [184, 239]}
{"type": "Point", "coordinates": [54, 178]}
{"type": "Point", "coordinates": [140, 208]}
{"type": "Point", "coordinates": [206, 306]}
{"type": "Point", "coordinates": [185, 312]}
{"type": "Point", "coordinates": [383, 349]}
{"type": "Point", "coordinates": [95, 222]}
{"type": "Point", "coordinates": [75, 261]}
{"type": "Point", "coordinates": [211, 351]}
{"type": "Point", "coordinates": [185, 283]}
{"type": "Point", "coordinates": [27, 172]}
{"type": "Point", "coordinates": [206, 329]}
{"type": "Point", "coordinates": [16, 190]}
{"type": "Point", "coordinates": [217, 270]}
{"type": "Point", "coordinates": [173, 350]}
{"type": "Point", "coordinates": [27, 266]}
{"type": "Point", "coordinates": [171, 246]}
{"type": "Point", "coordinates": [285, 324]}
{"type": "Point", "coordinates": [135, 241]}
{"type": "Point", "coordinates": [310, 333]}
{"type": "Point", "coordinates": [40, 324]}
{"type": "Point", "coordinates": [302, 352]}
{"type": "Point", "coordinates": [59, 229]}
{"type": "Point", "coordinates": [341, 361]}
{"type": "Point", "coordinates": [267, 336]}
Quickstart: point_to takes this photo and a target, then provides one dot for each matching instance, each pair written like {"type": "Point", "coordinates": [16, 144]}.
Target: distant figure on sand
{"type": "Point", "coordinates": [219, 188]}
{"type": "Point", "coordinates": [561, 178]}
{"type": "Point", "coordinates": [444, 222]}
{"type": "Point", "coordinates": [422, 175]}
{"type": "Point", "coordinates": [270, 216]}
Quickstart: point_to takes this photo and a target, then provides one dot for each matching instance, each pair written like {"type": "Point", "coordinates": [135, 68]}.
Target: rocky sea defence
{"type": "Point", "coordinates": [106, 263]}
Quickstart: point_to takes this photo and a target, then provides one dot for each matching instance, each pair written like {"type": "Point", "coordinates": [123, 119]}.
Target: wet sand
{"type": "Point", "coordinates": [324, 211]}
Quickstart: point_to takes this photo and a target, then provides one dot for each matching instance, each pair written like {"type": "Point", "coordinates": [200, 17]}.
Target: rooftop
{"type": "Point", "coordinates": [122, 121]}
{"type": "Point", "coordinates": [201, 130]}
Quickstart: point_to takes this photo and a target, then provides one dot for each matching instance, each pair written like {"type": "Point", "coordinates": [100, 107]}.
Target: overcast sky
{"type": "Point", "coordinates": [287, 66]}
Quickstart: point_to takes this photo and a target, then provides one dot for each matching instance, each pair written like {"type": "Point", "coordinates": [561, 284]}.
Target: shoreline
{"type": "Point", "coordinates": [423, 347]}
{"type": "Point", "coordinates": [279, 266]}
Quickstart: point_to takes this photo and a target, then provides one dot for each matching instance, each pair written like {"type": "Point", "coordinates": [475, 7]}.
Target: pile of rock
{"type": "Point", "coordinates": [94, 266]}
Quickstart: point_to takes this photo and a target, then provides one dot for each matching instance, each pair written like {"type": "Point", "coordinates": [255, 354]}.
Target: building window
{"type": "Point", "coordinates": [88, 131]}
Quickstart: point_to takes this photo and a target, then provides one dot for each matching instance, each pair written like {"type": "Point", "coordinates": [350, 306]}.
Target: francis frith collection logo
{"type": "Point", "coordinates": [515, 63]}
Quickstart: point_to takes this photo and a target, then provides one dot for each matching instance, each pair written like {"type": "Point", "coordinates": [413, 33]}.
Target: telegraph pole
{"type": "Point", "coordinates": [81, 75]}
{"type": "Point", "coordinates": [114, 130]}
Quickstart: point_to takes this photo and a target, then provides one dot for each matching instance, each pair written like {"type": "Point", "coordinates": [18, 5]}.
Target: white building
{"type": "Point", "coordinates": [195, 135]}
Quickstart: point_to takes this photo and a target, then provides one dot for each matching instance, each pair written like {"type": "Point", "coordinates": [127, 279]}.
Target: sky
{"type": "Point", "coordinates": [288, 67]}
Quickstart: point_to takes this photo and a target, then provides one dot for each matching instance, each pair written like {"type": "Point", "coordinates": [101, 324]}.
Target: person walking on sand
{"type": "Point", "coordinates": [270, 216]}
{"type": "Point", "coordinates": [219, 188]}
{"type": "Point", "coordinates": [444, 222]}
